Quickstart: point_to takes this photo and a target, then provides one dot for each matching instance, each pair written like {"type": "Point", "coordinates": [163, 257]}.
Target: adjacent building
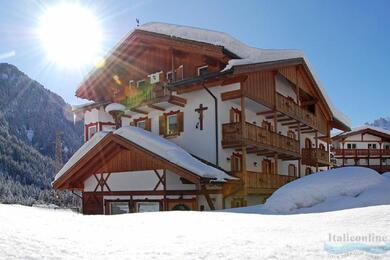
{"type": "Point", "coordinates": [187, 118]}
{"type": "Point", "coordinates": [366, 146]}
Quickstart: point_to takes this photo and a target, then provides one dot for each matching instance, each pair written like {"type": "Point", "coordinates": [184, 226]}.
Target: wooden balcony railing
{"type": "Point", "coordinates": [258, 180]}
{"type": "Point", "coordinates": [290, 108]}
{"type": "Point", "coordinates": [234, 136]}
{"type": "Point", "coordinates": [361, 152]}
{"type": "Point", "coordinates": [315, 156]}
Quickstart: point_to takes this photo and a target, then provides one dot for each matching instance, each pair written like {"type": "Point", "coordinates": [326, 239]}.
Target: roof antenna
{"type": "Point", "coordinates": [137, 20]}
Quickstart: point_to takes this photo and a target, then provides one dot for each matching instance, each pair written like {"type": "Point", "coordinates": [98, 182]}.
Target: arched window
{"type": "Point", "coordinates": [322, 147]}
{"type": "Point", "coordinates": [308, 143]}
{"type": "Point", "coordinates": [308, 171]}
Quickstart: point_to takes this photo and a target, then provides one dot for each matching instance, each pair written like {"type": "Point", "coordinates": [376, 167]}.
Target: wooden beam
{"type": "Point", "coordinates": [152, 192]}
{"type": "Point", "coordinates": [234, 94]}
{"type": "Point", "coordinates": [264, 113]}
{"type": "Point", "coordinates": [136, 110]}
{"type": "Point", "coordinates": [179, 101]}
{"type": "Point", "coordinates": [156, 107]}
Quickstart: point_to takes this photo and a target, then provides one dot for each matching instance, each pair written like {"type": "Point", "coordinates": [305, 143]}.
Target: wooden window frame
{"type": "Point", "coordinates": [164, 127]}
{"type": "Point", "coordinates": [139, 81]}
{"type": "Point", "coordinates": [292, 166]}
{"type": "Point", "coordinates": [89, 131]}
{"type": "Point", "coordinates": [232, 158]}
{"type": "Point", "coordinates": [147, 120]}
{"type": "Point", "coordinates": [198, 69]}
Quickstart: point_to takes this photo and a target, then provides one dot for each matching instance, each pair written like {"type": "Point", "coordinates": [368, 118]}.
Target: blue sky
{"type": "Point", "coordinates": [347, 42]}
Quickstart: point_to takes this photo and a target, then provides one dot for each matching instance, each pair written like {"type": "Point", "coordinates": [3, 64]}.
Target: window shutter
{"type": "Point", "coordinates": [162, 125]}
{"type": "Point", "coordinates": [148, 124]}
{"type": "Point", "coordinates": [180, 121]}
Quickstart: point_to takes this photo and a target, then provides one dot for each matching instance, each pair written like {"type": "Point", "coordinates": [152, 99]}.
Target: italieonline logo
{"type": "Point", "coordinates": [345, 244]}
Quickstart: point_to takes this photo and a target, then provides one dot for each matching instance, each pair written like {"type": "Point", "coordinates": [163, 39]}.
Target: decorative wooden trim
{"type": "Point", "coordinates": [234, 94]}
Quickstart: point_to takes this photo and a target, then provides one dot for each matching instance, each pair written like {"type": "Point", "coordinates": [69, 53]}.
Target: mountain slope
{"type": "Point", "coordinates": [30, 116]}
{"type": "Point", "coordinates": [381, 122]}
{"type": "Point", "coordinates": [34, 113]}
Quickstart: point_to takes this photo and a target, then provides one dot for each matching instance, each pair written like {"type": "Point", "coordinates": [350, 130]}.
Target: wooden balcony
{"type": "Point", "coordinates": [259, 140]}
{"type": "Point", "coordinates": [315, 156]}
{"type": "Point", "coordinates": [261, 182]}
{"type": "Point", "coordinates": [158, 98]}
{"type": "Point", "coordinates": [361, 152]}
{"type": "Point", "coordinates": [293, 110]}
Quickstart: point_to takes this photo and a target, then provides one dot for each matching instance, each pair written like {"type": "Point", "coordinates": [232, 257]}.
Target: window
{"type": "Point", "coordinates": [308, 143]}
{"type": "Point", "coordinates": [308, 171]}
{"type": "Point", "coordinates": [371, 146]}
{"type": "Point", "coordinates": [387, 147]}
{"type": "Point", "coordinates": [291, 170]}
{"type": "Point", "coordinates": [172, 124]}
{"type": "Point", "coordinates": [119, 207]}
{"type": "Point", "coordinates": [92, 131]}
{"type": "Point", "coordinates": [141, 124]}
{"type": "Point", "coordinates": [238, 202]}
{"type": "Point", "coordinates": [131, 83]}
{"type": "Point", "coordinates": [322, 147]}
{"type": "Point", "coordinates": [169, 76]}
{"type": "Point", "coordinates": [148, 206]}
{"type": "Point", "coordinates": [203, 70]}
{"type": "Point", "coordinates": [141, 83]}
{"type": "Point", "coordinates": [351, 146]}
{"type": "Point", "coordinates": [236, 162]}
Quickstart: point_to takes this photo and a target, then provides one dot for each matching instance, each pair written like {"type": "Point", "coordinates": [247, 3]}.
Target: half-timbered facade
{"type": "Point", "coordinates": [260, 116]}
{"type": "Point", "coordinates": [365, 146]}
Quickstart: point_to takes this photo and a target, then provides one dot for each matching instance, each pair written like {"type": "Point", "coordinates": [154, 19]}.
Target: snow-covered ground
{"type": "Point", "coordinates": [36, 233]}
{"type": "Point", "coordinates": [277, 231]}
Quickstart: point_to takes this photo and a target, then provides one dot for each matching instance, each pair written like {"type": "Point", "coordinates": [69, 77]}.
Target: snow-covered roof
{"type": "Point", "coordinates": [115, 107]}
{"type": "Point", "coordinates": [248, 55]}
{"type": "Point", "coordinates": [87, 146]}
{"type": "Point", "coordinates": [155, 144]}
{"type": "Point", "coordinates": [363, 127]}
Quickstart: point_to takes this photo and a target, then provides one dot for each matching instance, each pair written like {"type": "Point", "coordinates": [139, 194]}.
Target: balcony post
{"type": "Point", "coordinates": [243, 147]}
{"type": "Point", "coordinates": [276, 156]}
{"type": "Point", "coordinates": [300, 150]}
{"type": "Point", "coordinates": [316, 151]}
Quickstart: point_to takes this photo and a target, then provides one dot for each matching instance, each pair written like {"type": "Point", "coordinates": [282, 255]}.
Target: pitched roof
{"type": "Point", "coordinates": [154, 144]}
{"type": "Point", "coordinates": [248, 55]}
{"type": "Point", "coordinates": [364, 128]}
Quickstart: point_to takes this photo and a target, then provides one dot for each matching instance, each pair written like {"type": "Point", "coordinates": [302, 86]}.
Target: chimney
{"type": "Point", "coordinates": [115, 110]}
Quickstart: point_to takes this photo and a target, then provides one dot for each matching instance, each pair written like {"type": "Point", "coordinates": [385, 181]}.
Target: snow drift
{"type": "Point", "coordinates": [336, 189]}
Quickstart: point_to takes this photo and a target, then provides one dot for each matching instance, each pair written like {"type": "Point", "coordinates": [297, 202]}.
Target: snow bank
{"type": "Point", "coordinates": [34, 233]}
{"type": "Point", "coordinates": [335, 189]}
{"type": "Point", "coordinates": [171, 152]}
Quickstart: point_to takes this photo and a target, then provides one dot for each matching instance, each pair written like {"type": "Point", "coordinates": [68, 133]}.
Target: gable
{"type": "Point", "coordinates": [145, 53]}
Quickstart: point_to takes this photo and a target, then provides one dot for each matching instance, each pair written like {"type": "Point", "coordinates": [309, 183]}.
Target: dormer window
{"type": "Point", "coordinates": [141, 124]}
{"type": "Point", "coordinates": [169, 76]}
{"type": "Point", "coordinates": [131, 83]}
{"type": "Point", "coordinates": [141, 83]}
{"type": "Point", "coordinates": [203, 70]}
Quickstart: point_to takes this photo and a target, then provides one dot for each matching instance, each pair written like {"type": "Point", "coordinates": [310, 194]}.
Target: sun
{"type": "Point", "coordinates": [70, 34]}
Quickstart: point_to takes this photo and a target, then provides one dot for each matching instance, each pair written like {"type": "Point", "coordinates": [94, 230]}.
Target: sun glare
{"type": "Point", "coordinates": [71, 35]}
